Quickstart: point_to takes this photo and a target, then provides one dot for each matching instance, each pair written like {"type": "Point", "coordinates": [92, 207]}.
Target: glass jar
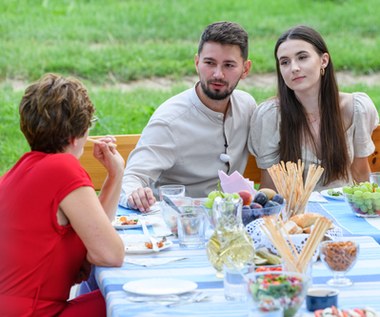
{"type": "Point", "coordinates": [229, 244]}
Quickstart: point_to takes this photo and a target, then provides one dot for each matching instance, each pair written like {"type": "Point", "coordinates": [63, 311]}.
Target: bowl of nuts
{"type": "Point", "coordinates": [339, 256]}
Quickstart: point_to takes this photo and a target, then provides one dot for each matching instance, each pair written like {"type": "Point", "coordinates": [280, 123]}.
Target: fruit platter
{"type": "Point", "coordinates": [264, 202]}
{"type": "Point", "coordinates": [364, 199]}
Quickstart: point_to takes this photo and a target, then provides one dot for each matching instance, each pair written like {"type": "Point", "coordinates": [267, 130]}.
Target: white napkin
{"type": "Point", "coordinates": [317, 197]}
{"type": "Point", "coordinates": [235, 183]}
{"type": "Point", "coordinates": [151, 261]}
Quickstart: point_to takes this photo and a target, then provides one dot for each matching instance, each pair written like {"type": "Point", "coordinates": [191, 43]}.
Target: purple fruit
{"type": "Point", "coordinates": [261, 198]}
{"type": "Point", "coordinates": [271, 203]}
{"type": "Point", "coordinates": [269, 208]}
{"type": "Point", "coordinates": [278, 199]}
{"type": "Point", "coordinates": [255, 206]}
{"type": "Point", "coordinates": [247, 215]}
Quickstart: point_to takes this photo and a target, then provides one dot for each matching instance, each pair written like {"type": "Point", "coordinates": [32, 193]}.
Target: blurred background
{"type": "Point", "coordinates": [134, 54]}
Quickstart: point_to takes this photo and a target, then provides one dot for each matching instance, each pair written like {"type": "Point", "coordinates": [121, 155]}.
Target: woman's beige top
{"type": "Point", "coordinates": [264, 135]}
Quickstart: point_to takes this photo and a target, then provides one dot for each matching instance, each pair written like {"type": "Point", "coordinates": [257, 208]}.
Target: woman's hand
{"type": "Point", "coordinates": [107, 154]}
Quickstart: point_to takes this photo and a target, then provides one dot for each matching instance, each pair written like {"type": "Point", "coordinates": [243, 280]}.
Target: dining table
{"type": "Point", "coordinates": [337, 209]}
{"type": "Point", "coordinates": [192, 265]}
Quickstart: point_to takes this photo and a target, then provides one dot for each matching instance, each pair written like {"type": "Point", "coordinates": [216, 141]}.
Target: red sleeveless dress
{"type": "Point", "coordinates": [40, 259]}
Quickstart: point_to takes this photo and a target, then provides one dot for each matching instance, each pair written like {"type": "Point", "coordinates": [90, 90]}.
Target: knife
{"type": "Point", "coordinates": [171, 204]}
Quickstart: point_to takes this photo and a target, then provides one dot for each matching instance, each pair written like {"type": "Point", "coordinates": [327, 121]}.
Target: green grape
{"type": "Point", "coordinates": [236, 195]}
{"type": "Point", "coordinates": [217, 193]}
{"type": "Point", "coordinates": [367, 195]}
{"type": "Point", "coordinates": [348, 190]}
{"type": "Point", "coordinates": [208, 203]}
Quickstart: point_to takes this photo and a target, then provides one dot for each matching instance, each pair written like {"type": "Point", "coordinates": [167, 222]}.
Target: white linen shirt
{"type": "Point", "coordinates": [264, 138]}
{"type": "Point", "coordinates": [183, 141]}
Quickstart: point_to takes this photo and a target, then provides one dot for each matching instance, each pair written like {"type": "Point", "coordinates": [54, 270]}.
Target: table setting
{"type": "Point", "coordinates": [190, 272]}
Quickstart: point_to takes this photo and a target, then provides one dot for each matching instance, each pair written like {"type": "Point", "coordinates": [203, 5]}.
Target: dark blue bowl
{"type": "Point", "coordinates": [321, 298]}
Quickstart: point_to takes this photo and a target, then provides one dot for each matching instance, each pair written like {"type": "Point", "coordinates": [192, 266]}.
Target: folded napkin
{"type": "Point", "coordinates": [151, 261]}
{"type": "Point", "coordinates": [235, 183]}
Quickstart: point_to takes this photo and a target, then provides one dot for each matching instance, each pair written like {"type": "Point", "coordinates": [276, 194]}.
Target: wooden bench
{"type": "Point", "coordinates": [127, 142]}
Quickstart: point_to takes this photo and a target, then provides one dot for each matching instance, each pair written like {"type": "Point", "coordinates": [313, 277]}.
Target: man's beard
{"type": "Point", "coordinates": [216, 95]}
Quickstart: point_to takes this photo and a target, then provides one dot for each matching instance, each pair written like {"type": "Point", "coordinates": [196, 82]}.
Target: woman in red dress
{"type": "Point", "coordinates": [53, 225]}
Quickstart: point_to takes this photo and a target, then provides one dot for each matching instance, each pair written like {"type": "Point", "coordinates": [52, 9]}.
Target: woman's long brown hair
{"type": "Point", "coordinates": [294, 128]}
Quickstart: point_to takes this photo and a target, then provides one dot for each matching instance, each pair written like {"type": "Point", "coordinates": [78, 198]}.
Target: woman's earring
{"type": "Point", "coordinates": [322, 71]}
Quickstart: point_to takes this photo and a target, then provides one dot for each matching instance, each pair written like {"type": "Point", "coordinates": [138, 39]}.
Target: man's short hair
{"type": "Point", "coordinates": [225, 33]}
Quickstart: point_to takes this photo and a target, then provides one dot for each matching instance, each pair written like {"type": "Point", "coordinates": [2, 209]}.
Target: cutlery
{"type": "Point", "coordinates": [147, 235]}
{"type": "Point", "coordinates": [162, 298]}
{"type": "Point", "coordinates": [196, 298]}
{"type": "Point", "coordinates": [170, 203]}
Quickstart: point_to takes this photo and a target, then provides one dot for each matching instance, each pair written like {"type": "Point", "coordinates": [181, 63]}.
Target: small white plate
{"type": "Point", "coordinates": [325, 193]}
{"type": "Point", "coordinates": [160, 286]}
{"type": "Point", "coordinates": [135, 244]}
{"type": "Point", "coordinates": [117, 224]}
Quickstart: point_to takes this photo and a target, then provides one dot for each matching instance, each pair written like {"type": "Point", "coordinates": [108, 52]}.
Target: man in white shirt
{"type": "Point", "coordinates": [199, 131]}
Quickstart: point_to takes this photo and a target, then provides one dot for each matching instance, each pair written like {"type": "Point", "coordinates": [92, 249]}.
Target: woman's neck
{"type": "Point", "coordinates": [310, 102]}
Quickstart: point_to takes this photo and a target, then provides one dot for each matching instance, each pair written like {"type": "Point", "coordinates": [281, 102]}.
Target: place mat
{"type": "Point", "coordinates": [343, 216]}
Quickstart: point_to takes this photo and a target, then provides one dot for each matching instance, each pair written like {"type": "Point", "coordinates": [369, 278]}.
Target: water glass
{"type": "Point", "coordinates": [172, 191]}
{"type": "Point", "coordinates": [235, 287]}
{"type": "Point", "coordinates": [191, 227]}
{"type": "Point", "coordinates": [374, 178]}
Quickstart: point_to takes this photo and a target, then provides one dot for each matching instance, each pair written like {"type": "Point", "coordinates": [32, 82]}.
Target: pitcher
{"type": "Point", "coordinates": [230, 244]}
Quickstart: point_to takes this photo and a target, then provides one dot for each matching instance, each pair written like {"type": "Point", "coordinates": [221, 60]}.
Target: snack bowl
{"type": "Point", "coordinates": [364, 199]}
{"type": "Point", "coordinates": [272, 291]}
{"type": "Point", "coordinates": [339, 257]}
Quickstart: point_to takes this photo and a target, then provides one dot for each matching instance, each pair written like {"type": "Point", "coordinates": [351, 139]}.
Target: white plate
{"type": "Point", "coordinates": [324, 193]}
{"type": "Point", "coordinates": [118, 225]}
{"type": "Point", "coordinates": [159, 286]}
{"type": "Point", "coordinates": [135, 244]}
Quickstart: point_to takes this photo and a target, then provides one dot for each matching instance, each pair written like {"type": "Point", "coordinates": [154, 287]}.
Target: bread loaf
{"type": "Point", "coordinates": [302, 223]}
{"type": "Point", "coordinates": [292, 228]}
{"type": "Point", "coordinates": [305, 220]}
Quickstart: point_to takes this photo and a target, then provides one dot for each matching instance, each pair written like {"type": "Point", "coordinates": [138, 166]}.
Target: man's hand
{"type": "Point", "coordinates": [142, 199]}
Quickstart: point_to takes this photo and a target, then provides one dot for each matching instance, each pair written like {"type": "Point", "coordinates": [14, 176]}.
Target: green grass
{"type": "Point", "coordinates": [106, 43]}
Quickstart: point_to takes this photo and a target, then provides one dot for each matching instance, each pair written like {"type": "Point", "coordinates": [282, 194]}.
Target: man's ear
{"type": "Point", "coordinates": [196, 62]}
{"type": "Point", "coordinates": [246, 68]}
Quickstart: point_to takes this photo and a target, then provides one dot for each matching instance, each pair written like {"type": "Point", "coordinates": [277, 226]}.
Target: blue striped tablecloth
{"type": "Point", "coordinates": [364, 292]}
{"type": "Point", "coordinates": [344, 217]}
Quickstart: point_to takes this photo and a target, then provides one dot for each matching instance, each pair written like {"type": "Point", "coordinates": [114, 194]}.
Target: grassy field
{"type": "Point", "coordinates": [111, 43]}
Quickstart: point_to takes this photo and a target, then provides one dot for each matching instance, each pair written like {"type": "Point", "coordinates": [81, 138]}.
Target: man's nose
{"type": "Point", "coordinates": [218, 72]}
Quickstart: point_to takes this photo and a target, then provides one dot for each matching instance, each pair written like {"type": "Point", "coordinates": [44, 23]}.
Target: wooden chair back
{"type": "Point", "coordinates": [127, 142]}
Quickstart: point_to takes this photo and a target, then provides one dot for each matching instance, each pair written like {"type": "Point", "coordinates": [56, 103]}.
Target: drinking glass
{"type": "Point", "coordinates": [339, 257]}
{"type": "Point", "coordinates": [191, 227]}
{"type": "Point", "coordinates": [374, 178]}
{"type": "Point", "coordinates": [176, 193]}
{"type": "Point", "coordinates": [172, 191]}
